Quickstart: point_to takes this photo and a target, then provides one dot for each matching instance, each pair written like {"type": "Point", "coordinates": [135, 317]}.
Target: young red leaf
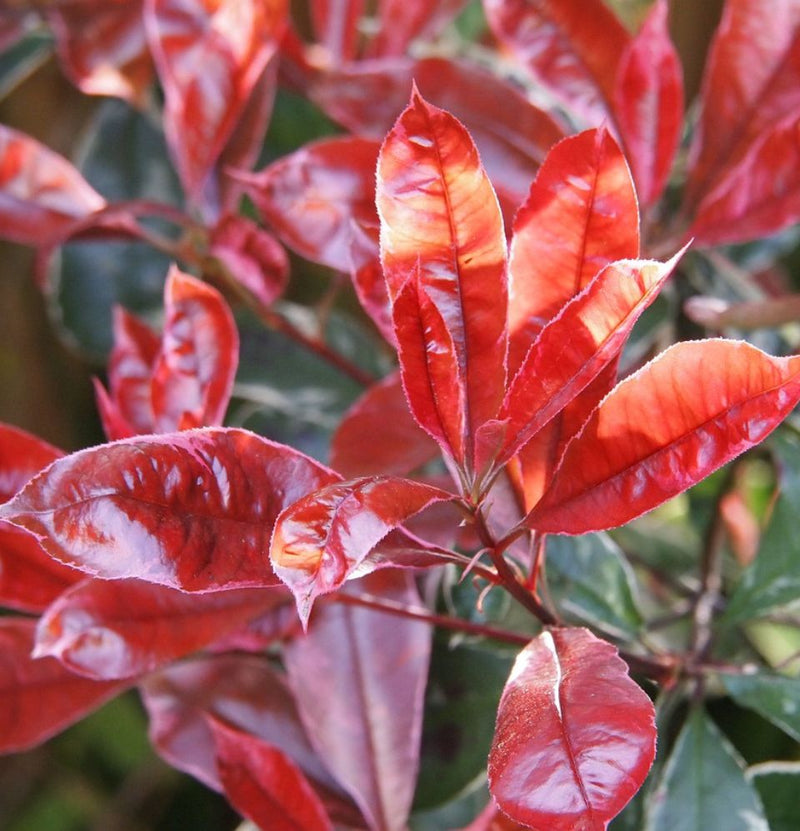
{"type": "Point", "coordinates": [443, 247]}
{"type": "Point", "coordinates": [263, 783]}
{"type": "Point", "coordinates": [679, 418]}
{"type": "Point", "coordinates": [210, 56]}
{"type": "Point", "coordinates": [759, 196]}
{"type": "Point", "coordinates": [39, 697]}
{"type": "Point", "coordinates": [22, 456]}
{"type": "Point", "coordinates": [575, 736]}
{"type": "Point", "coordinates": [102, 46]}
{"type": "Point", "coordinates": [572, 47]}
{"type": "Point", "coordinates": [324, 538]}
{"type": "Point", "coordinates": [368, 733]}
{"type": "Point", "coordinates": [581, 214]}
{"type": "Point", "coordinates": [106, 629]}
{"type": "Point", "coordinates": [313, 197]}
{"type": "Point", "coordinates": [402, 21]}
{"type": "Point", "coordinates": [379, 436]}
{"type": "Point", "coordinates": [648, 104]}
{"type": "Point", "coordinates": [30, 579]}
{"type": "Point", "coordinates": [41, 193]}
{"type": "Point", "coordinates": [194, 371]}
{"type": "Point", "coordinates": [336, 28]}
{"type": "Point", "coordinates": [750, 86]}
{"type": "Point", "coordinates": [574, 347]}
{"type": "Point", "coordinates": [191, 510]}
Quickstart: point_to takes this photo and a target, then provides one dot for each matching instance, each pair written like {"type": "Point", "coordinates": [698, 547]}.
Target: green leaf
{"type": "Point", "coordinates": [772, 580]}
{"type": "Point", "coordinates": [590, 579]}
{"type": "Point", "coordinates": [22, 59]}
{"type": "Point", "coordinates": [778, 784]}
{"type": "Point", "coordinates": [703, 785]}
{"type": "Point", "coordinates": [775, 697]}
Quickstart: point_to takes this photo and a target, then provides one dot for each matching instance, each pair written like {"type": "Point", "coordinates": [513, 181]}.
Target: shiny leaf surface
{"type": "Point", "coordinates": [773, 696]}
{"type": "Point", "coordinates": [41, 193]}
{"type": "Point", "coordinates": [191, 510]}
{"type": "Point", "coordinates": [575, 736]}
{"type": "Point", "coordinates": [368, 733]}
{"type": "Point", "coordinates": [22, 455]}
{"type": "Point", "coordinates": [680, 417]}
{"type": "Point", "coordinates": [324, 538]}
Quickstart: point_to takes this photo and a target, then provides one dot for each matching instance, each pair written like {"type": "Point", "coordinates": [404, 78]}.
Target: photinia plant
{"type": "Point", "coordinates": [412, 557]}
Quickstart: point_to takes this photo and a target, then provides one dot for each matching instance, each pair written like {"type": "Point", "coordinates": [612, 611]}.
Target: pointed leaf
{"type": "Point", "coordinates": [575, 736]}
{"type": "Point", "coordinates": [324, 538]}
{"type": "Point", "coordinates": [679, 418]}
{"type": "Point", "coordinates": [441, 229]}
{"type": "Point", "coordinates": [22, 456]}
{"type": "Point", "coordinates": [648, 104]}
{"type": "Point", "coordinates": [39, 697]}
{"type": "Point", "coordinates": [313, 197]}
{"type": "Point", "coordinates": [777, 784]}
{"type": "Point", "coordinates": [194, 371]}
{"type": "Point", "coordinates": [703, 785]}
{"type": "Point", "coordinates": [557, 42]}
{"type": "Point", "coordinates": [121, 629]}
{"type": "Point", "coordinates": [264, 785]}
{"type": "Point", "coordinates": [190, 510]}
{"type": "Point", "coordinates": [581, 214]}
{"type": "Point", "coordinates": [575, 346]}
{"type": "Point", "coordinates": [367, 734]}
{"type": "Point", "coordinates": [41, 193]}
{"type": "Point", "coordinates": [775, 697]}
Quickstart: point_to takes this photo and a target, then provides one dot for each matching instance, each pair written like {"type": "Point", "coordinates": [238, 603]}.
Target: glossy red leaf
{"type": "Point", "coordinates": [22, 456]}
{"type": "Point", "coordinates": [750, 86]}
{"type": "Point", "coordinates": [378, 435]}
{"type": "Point", "coordinates": [39, 697]}
{"type": "Point", "coordinates": [760, 196]}
{"type": "Point", "coordinates": [263, 783]}
{"type": "Point", "coordinates": [324, 538]}
{"type": "Point", "coordinates": [575, 346]}
{"type": "Point", "coordinates": [336, 28]}
{"type": "Point", "coordinates": [30, 579]}
{"type": "Point", "coordinates": [313, 196]}
{"type": "Point", "coordinates": [194, 372]}
{"type": "Point", "coordinates": [367, 734]}
{"type": "Point", "coordinates": [102, 46]}
{"type": "Point", "coordinates": [580, 215]}
{"type": "Point", "coordinates": [648, 104]}
{"type": "Point", "coordinates": [106, 629]}
{"type": "Point", "coordinates": [575, 736]}
{"type": "Point", "coordinates": [41, 193]}
{"type": "Point", "coordinates": [664, 428]}
{"type": "Point", "coordinates": [191, 510]}
{"type": "Point", "coordinates": [253, 257]}
{"type": "Point", "coordinates": [443, 249]}
{"type": "Point", "coordinates": [402, 21]}
{"type": "Point", "coordinates": [572, 47]}
{"type": "Point", "coordinates": [210, 56]}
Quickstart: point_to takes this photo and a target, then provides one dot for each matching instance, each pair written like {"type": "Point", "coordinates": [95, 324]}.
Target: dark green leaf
{"type": "Point", "coordinates": [21, 60]}
{"type": "Point", "coordinates": [778, 784]}
{"type": "Point", "coordinates": [775, 697]}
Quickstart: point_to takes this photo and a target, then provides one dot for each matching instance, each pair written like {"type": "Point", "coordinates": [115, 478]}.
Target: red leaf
{"type": "Point", "coordinates": [367, 734]}
{"type": "Point", "coordinates": [575, 346]}
{"type": "Point", "coordinates": [30, 579]}
{"type": "Point", "coordinates": [572, 47]}
{"type": "Point", "coordinates": [402, 21]}
{"type": "Point", "coordinates": [581, 214]}
{"type": "Point", "coordinates": [191, 510]}
{"type": "Point", "coordinates": [22, 456]}
{"type": "Point", "coordinates": [443, 247]}
{"type": "Point", "coordinates": [759, 196]}
{"type": "Point", "coordinates": [102, 46]}
{"type": "Point", "coordinates": [575, 736]}
{"type": "Point", "coordinates": [254, 258]}
{"type": "Point", "coordinates": [121, 629]}
{"type": "Point", "coordinates": [210, 57]}
{"type": "Point", "coordinates": [264, 785]}
{"type": "Point", "coordinates": [379, 436]}
{"type": "Point", "coordinates": [41, 193]}
{"type": "Point", "coordinates": [679, 418]}
{"type": "Point", "coordinates": [750, 86]}
{"type": "Point", "coordinates": [336, 28]}
{"type": "Point", "coordinates": [313, 197]}
{"type": "Point", "coordinates": [39, 698]}
{"type": "Point", "coordinates": [323, 539]}
{"type": "Point", "coordinates": [194, 371]}
{"type": "Point", "coordinates": [648, 104]}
